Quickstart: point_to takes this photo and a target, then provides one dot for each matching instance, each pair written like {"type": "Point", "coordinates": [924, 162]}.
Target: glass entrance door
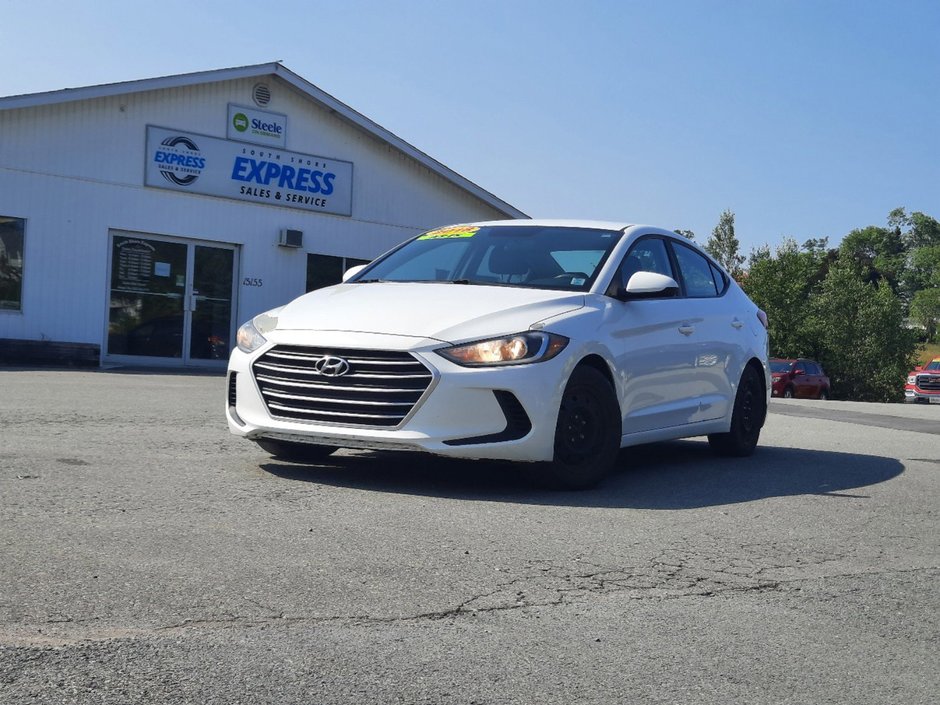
{"type": "Point", "coordinates": [211, 302]}
{"type": "Point", "coordinates": [170, 301]}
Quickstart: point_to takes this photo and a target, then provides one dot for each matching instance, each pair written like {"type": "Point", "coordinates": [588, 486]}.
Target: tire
{"type": "Point", "coordinates": [824, 394]}
{"type": "Point", "coordinates": [587, 432]}
{"type": "Point", "coordinates": [747, 418]}
{"type": "Point", "coordinates": [788, 393]}
{"type": "Point", "coordinates": [286, 450]}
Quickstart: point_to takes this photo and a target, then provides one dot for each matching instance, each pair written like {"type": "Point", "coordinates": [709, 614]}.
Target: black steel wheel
{"type": "Point", "coordinates": [287, 450]}
{"type": "Point", "coordinates": [747, 418]}
{"type": "Point", "coordinates": [587, 433]}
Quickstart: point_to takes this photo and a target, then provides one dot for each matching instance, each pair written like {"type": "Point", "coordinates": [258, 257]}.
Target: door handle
{"type": "Point", "coordinates": [686, 329]}
{"type": "Point", "coordinates": [737, 324]}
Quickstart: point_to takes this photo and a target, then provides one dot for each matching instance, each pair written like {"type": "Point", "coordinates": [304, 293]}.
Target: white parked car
{"type": "Point", "coordinates": [557, 342]}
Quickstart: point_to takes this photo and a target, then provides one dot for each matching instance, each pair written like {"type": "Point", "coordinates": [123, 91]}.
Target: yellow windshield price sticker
{"type": "Point", "coordinates": [447, 233]}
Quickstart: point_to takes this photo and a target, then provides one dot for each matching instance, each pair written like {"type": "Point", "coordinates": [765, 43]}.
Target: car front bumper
{"type": "Point", "coordinates": [506, 412]}
{"type": "Point", "coordinates": [913, 395]}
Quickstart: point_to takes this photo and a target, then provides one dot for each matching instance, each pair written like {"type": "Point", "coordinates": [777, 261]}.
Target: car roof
{"type": "Point", "coordinates": [558, 222]}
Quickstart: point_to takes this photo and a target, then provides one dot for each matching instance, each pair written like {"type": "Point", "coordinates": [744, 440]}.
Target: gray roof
{"type": "Point", "coordinates": [277, 70]}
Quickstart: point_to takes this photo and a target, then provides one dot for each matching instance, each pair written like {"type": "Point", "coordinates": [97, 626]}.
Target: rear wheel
{"type": "Point", "coordinates": [286, 450]}
{"type": "Point", "coordinates": [587, 434]}
{"type": "Point", "coordinates": [747, 418]}
{"type": "Point", "coordinates": [824, 394]}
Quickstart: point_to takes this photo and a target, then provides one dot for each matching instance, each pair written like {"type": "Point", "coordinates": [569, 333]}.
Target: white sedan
{"type": "Point", "coordinates": [551, 342]}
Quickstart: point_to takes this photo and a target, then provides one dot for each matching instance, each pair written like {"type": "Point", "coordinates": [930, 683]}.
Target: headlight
{"type": "Point", "coordinates": [532, 346]}
{"type": "Point", "coordinates": [912, 379]}
{"type": "Point", "coordinates": [250, 336]}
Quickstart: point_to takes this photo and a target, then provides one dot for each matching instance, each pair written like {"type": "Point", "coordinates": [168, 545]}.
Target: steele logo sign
{"type": "Point", "coordinates": [240, 122]}
{"type": "Point", "coordinates": [259, 126]}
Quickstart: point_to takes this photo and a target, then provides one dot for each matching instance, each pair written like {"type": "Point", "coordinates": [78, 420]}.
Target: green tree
{"type": "Point", "coordinates": [724, 246]}
{"type": "Point", "coordinates": [687, 234]}
{"type": "Point", "coordinates": [920, 235]}
{"type": "Point", "coordinates": [878, 254]}
{"type": "Point", "coordinates": [782, 283]}
{"type": "Point", "coordinates": [923, 270]}
{"type": "Point", "coordinates": [925, 311]}
{"type": "Point", "coordinates": [916, 230]}
{"type": "Point", "coordinates": [863, 342]}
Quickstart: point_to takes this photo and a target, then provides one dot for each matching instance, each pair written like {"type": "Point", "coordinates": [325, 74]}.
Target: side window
{"type": "Point", "coordinates": [721, 281]}
{"type": "Point", "coordinates": [648, 255]}
{"type": "Point", "coordinates": [11, 263]}
{"type": "Point", "coordinates": [696, 273]}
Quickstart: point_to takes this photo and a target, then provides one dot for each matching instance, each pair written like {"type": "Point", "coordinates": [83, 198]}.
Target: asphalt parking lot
{"type": "Point", "coordinates": [150, 557]}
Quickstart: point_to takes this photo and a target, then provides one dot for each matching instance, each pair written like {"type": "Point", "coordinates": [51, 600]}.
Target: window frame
{"type": "Point", "coordinates": [346, 264]}
{"type": "Point", "coordinates": [722, 283]}
{"type": "Point", "coordinates": [712, 268]}
{"type": "Point", "coordinates": [617, 282]}
{"type": "Point", "coordinates": [22, 291]}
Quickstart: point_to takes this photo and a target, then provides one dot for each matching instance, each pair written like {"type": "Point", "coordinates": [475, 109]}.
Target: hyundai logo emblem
{"type": "Point", "coordinates": [330, 366]}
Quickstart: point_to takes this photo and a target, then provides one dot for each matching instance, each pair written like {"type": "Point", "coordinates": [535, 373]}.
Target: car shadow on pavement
{"type": "Point", "coordinates": [671, 475]}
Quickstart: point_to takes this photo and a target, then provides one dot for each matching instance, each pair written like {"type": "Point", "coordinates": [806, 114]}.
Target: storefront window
{"type": "Point", "coordinates": [326, 270]}
{"type": "Point", "coordinates": [11, 263]}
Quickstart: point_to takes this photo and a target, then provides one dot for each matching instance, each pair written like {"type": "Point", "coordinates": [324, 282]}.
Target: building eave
{"type": "Point", "coordinates": [275, 69]}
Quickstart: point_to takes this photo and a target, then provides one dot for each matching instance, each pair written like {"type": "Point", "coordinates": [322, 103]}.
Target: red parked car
{"type": "Point", "coordinates": [803, 379]}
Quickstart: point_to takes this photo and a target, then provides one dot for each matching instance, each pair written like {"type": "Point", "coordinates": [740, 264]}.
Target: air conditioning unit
{"type": "Point", "coordinates": [290, 238]}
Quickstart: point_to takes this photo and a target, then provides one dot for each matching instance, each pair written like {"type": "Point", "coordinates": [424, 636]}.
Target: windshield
{"type": "Point", "coordinates": [780, 366]}
{"type": "Point", "coordinates": [933, 365]}
{"type": "Point", "coordinates": [532, 256]}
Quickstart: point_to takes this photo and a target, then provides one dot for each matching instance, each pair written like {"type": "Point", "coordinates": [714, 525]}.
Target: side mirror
{"type": "Point", "coordinates": [353, 271]}
{"type": "Point", "coordinates": [919, 368]}
{"type": "Point", "coordinates": [646, 285]}
{"type": "Point", "coordinates": [799, 372]}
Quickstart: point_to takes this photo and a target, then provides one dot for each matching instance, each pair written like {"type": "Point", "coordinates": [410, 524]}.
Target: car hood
{"type": "Point", "coordinates": [441, 311]}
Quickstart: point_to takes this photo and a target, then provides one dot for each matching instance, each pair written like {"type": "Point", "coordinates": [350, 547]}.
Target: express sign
{"type": "Point", "coordinates": [182, 161]}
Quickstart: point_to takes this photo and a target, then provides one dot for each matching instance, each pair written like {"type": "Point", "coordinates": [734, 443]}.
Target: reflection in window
{"type": "Point", "coordinates": [696, 273]}
{"type": "Point", "coordinates": [327, 270]}
{"type": "Point", "coordinates": [11, 263]}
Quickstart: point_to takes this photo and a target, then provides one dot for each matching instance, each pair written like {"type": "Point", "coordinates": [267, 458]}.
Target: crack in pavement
{"type": "Point", "coordinates": [515, 594]}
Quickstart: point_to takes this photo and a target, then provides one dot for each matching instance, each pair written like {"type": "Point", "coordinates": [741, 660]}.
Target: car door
{"type": "Point", "coordinates": [652, 340]}
{"type": "Point", "coordinates": [813, 379]}
{"type": "Point", "coordinates": [802, 384]}
{"type": "Point", "coordinates": [717, 344]}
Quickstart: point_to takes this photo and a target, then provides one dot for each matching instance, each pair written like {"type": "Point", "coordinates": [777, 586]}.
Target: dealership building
{"type": "Point", "coordinates": [141, 222]}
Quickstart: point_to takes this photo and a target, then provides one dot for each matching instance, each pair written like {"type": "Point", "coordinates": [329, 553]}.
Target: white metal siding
{"type": "Point", "coordinates": [75, 172]}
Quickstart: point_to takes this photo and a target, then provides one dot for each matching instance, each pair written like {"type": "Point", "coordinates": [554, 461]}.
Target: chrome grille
{"type": "Point", "coordinates": [929, 382]}
{"type": "Point", "coordinates": [380, 388]}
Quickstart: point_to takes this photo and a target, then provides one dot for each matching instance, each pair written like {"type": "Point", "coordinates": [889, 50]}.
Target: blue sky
{"type": "Point", "coordinates": [807, 119]}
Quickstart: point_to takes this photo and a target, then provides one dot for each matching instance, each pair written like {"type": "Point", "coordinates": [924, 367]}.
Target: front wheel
{"type": "Point", "coordinates": [747, 418]}
{"type": "Point", "coordinates": [824, 394]}
{"type": "Point", "coordinates": [287, 450]}
{"type": "Point", "coordinates": [587, 434]}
